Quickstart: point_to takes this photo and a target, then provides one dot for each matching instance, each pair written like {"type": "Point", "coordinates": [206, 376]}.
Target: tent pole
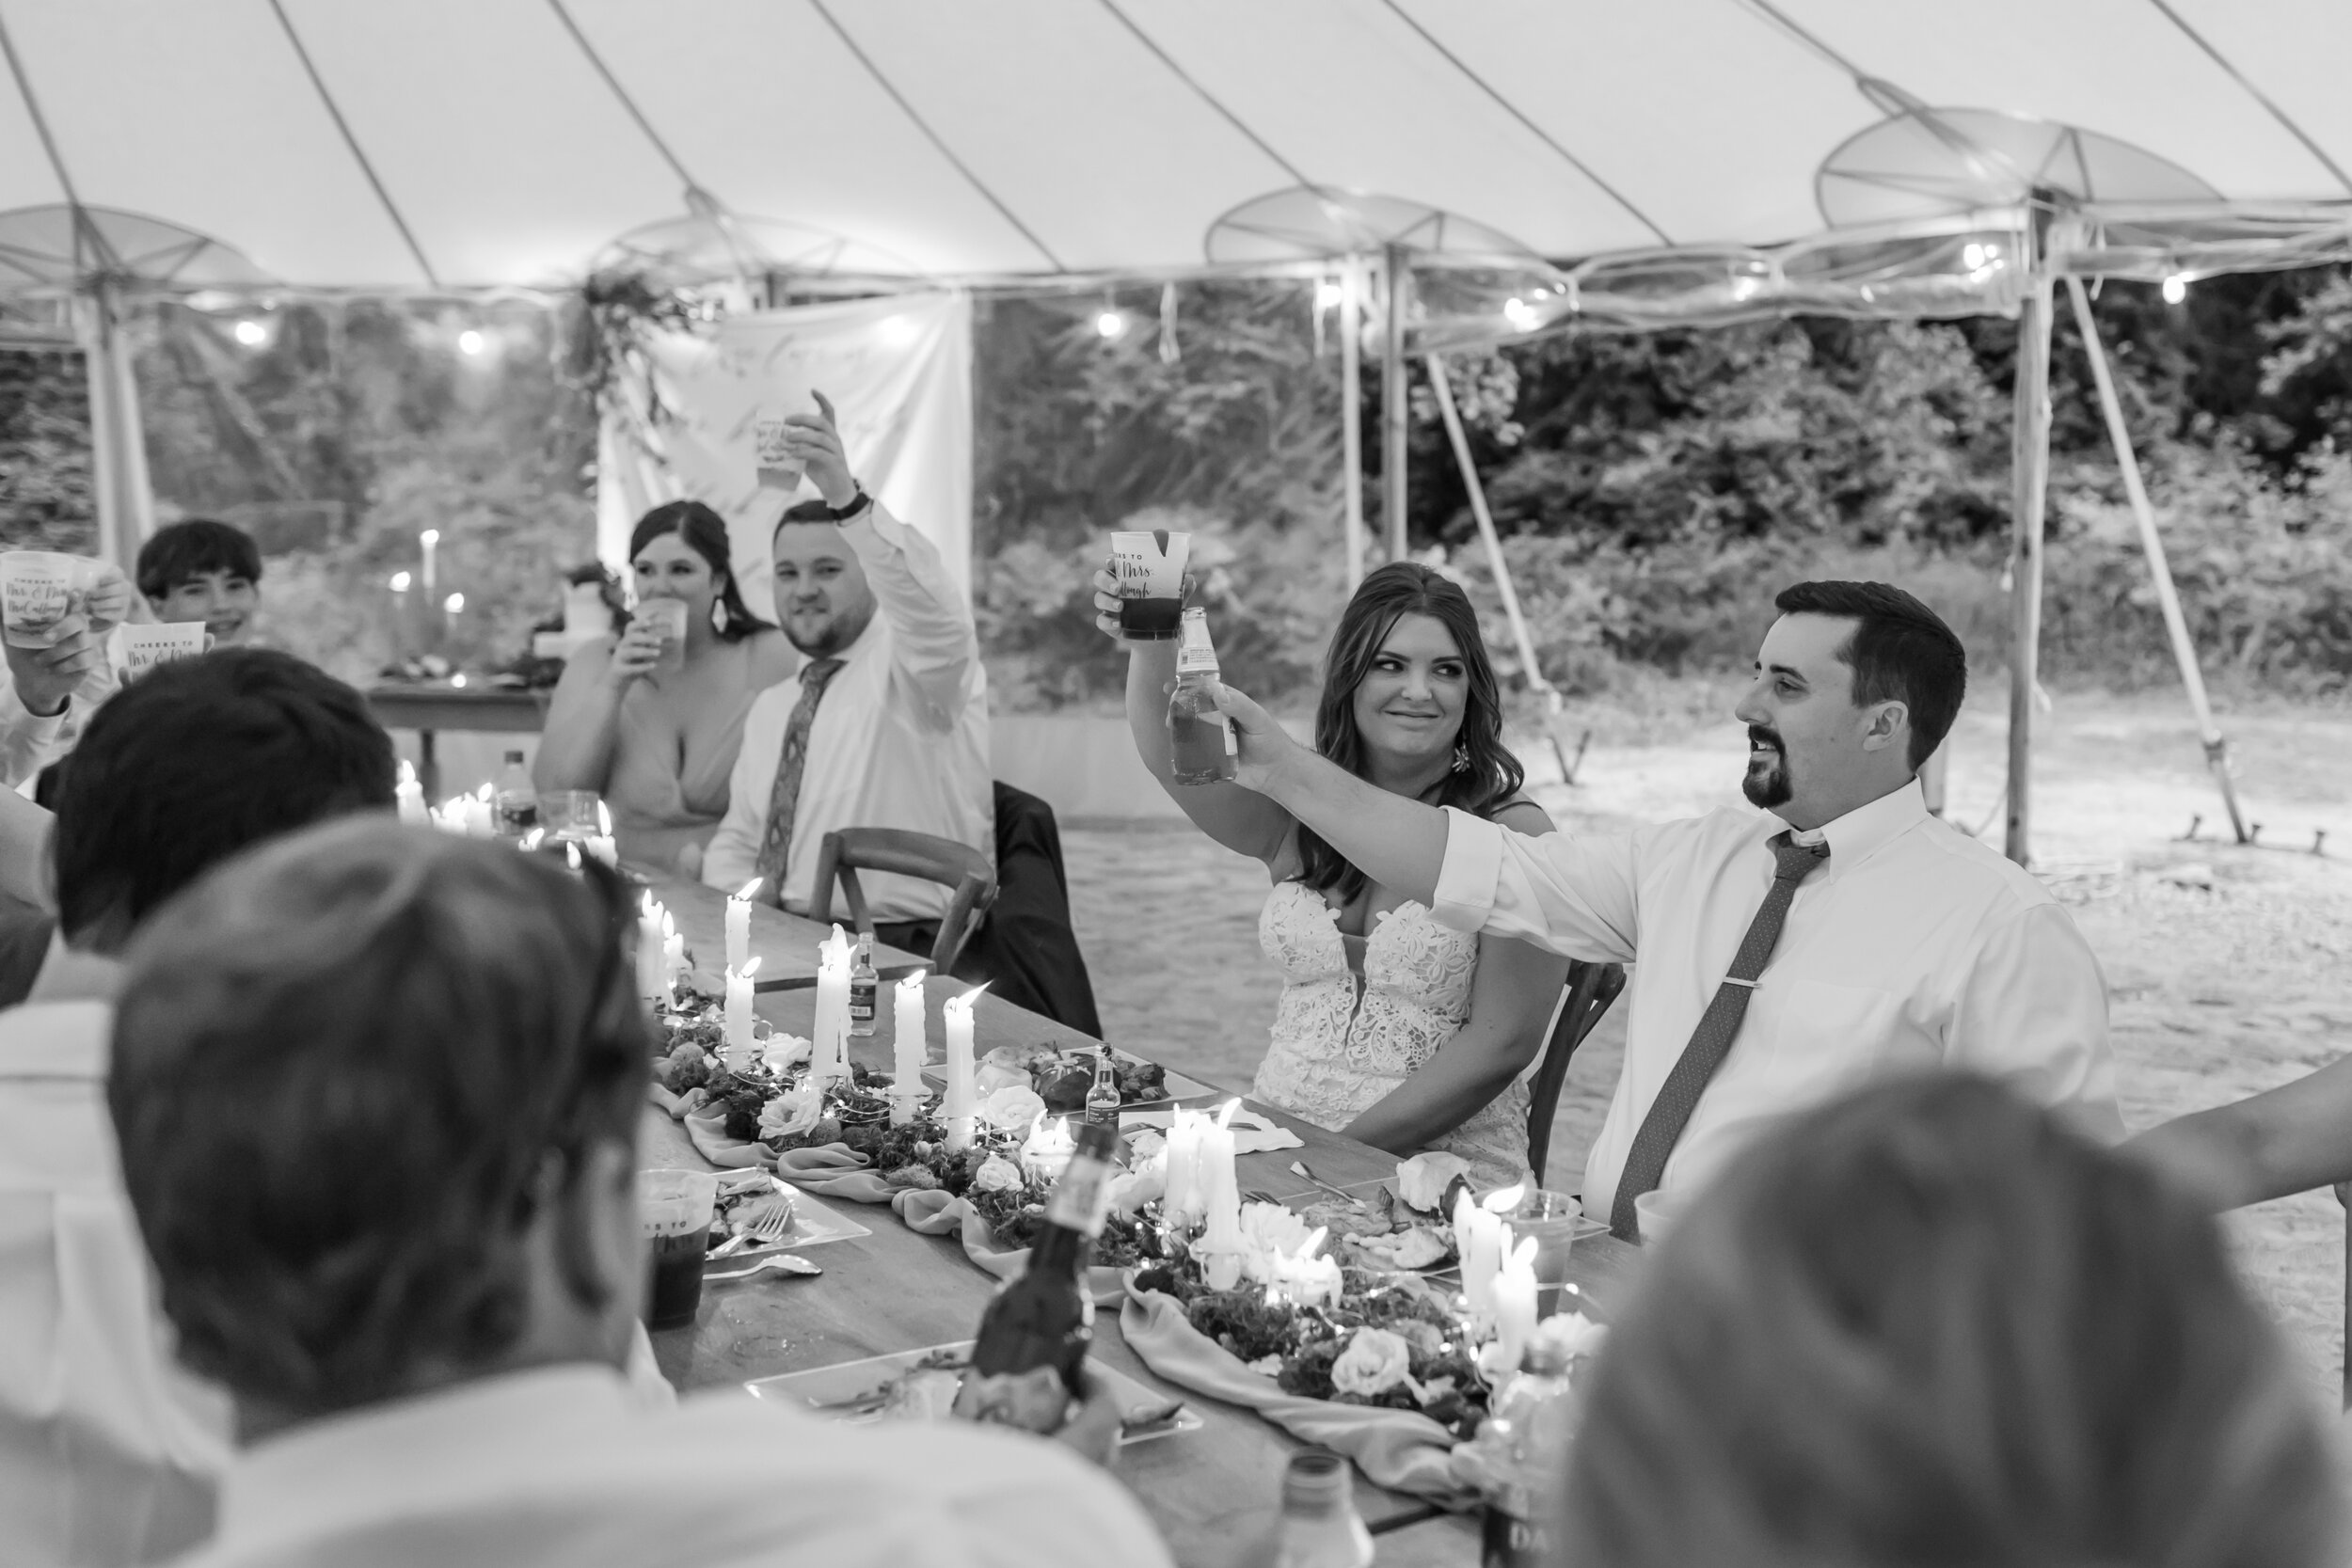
{"type": "Point", "coordinates": [1352, 415]}
{"type": "Point", "coordinates": [1443, 388]}
{"type": "Point", "coordinates": [118, 464]}
{"type": "Point", "coordinates": [1393, 403]}
{"type": "Point", "coordinates": [2031, 457]}
{"type": "Point", "coordinates": [2176, 624]}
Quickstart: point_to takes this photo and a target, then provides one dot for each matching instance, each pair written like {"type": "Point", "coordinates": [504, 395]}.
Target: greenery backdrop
{"type": "Point", "coordinates": [1654, 490]}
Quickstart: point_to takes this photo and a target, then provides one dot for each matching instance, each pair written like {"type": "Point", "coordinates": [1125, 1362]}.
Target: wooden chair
{"type": "Point", "coordinates": [845, 853]}
{"type": "Point", "coordinates": [1589, 990]}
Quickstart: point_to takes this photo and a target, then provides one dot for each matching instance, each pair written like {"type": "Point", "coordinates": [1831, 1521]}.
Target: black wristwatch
{"type": "Point", "coordinates": [858, 503]}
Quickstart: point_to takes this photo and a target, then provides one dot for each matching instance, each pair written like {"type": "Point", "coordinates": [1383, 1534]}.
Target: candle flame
{"type": "Point", "coordinates": [604, 821]}
{"type": "Point", "coordinates": [1272, 1297]}
{"type": "Point", "coordinates": [532, 839]}
{"type": "Point", "coordinates": [748, 970]}
{"type": "Point", "coordinates": [1314, 1240]}
{"type": "Point", "coordinates": [668, 926]}
{"type": "Point", "coordinates": [571, 856]}
{"type": "Point", "coordinates": [749, 888]}
{"type": "Point", "coordinates": [1524, 1255]}
{"type": "Point", "coordinates": [645, 906]}
{"type": "Point", "coordinates": [912, 985]}
{"type": "Point", "coordinates": [960, 1006]}
{"type": "Point", "coordinates": [1224, 1117]}
{"type": "Point", "coordinates": [407, 773]}
{"type": "Point", "coordinates": [1503, 1200]}
{"type": "Point", "coordinates": [486, 793]}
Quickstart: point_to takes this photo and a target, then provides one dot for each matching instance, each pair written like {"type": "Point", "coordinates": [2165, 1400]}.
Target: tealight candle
{"type": "Point", "coordinates": [1048, 1151]}
{"type": "Point", "coordinates": [909, 1049]}
{"type": "Point", "coordinates": [409, 795]}
{"type": "Point", "coordinates": [739, 924]}
{"type": "Point", "coordinates": [957, 1111]}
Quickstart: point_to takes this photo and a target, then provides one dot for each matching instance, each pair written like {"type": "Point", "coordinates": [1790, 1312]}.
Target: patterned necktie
{"type": "Point", "coordinates": [775, 845]}
{"type": "Point", "coordinates": [1711, 1042]}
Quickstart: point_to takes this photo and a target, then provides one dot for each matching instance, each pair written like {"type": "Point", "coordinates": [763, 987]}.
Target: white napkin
{"type": "Point", "coordinates": [1252, 1133]}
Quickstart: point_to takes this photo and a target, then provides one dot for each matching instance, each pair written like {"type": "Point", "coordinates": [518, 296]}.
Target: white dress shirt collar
{"type": "Point", "coordinates": [303, 1481]}
{"type": "Point", "coordinates": [1864, 831]}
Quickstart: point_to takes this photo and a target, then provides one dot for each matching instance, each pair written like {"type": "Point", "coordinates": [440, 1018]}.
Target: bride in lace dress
{"type": "Point", "coordinates": [1392, 1027]}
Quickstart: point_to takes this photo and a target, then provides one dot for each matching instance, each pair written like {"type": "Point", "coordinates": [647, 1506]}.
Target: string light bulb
{"type": "Point", "coordinates": [1328, 294]}
{"type": "Point", "coordinates": [2176, 288]}
{"type": "Point", "coordinates": [400, 582]}
{"type": "Point", "coordinates": [454, 603]}
{"type": "Point", "coordinates": [1972, 256]}
{"type": "Point", "coordinates": [252, 334]}
{"type": "Point", "coordinates": [1110, 324]}
{"type": "Point", "coordinates": [471, 341]}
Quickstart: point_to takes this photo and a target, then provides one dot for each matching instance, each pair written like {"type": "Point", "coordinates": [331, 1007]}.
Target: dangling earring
{"type": "Point", "coordinates": [1461, 759]}
{"type": "Point", "coordinates": [719, 616]}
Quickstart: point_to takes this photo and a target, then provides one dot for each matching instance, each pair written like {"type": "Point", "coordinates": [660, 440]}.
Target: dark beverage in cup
{"type": "Point", "coordinates": [1151, 572]}
{"type": "Point", "coordinates": [674, 1213]}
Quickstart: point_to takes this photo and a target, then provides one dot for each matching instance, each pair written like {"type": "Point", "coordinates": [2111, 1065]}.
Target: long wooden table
{"type": "Point", "coordinates": [785, 943]}
{"type": "Point", "coordinates": [1214, 1493]}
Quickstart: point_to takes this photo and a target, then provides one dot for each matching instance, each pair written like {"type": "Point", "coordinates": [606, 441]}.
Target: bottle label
{"type": "Point", "coordinates": [1082, 1198]}
{"type": "Point", "coordinates": [862, 995]}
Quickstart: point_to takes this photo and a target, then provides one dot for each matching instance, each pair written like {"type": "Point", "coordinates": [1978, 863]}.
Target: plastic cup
{"type": "Point", "coordinates": [674, 1209]}
{"type": "Point", "coordinates": [1151, 572]}
{"type": "Point", "coordinates": [1656, 1211]}
{"type": "Point", "coordinates": [778, 468]}
{"type": "Point", "coordinates": [38, 589]}
{"type": "Point", "coordinates": [144, 647]}
{"type": "Point", "coordinates": [668, 617]}
{"type": "Point", "coordinates": [1552, 1218]}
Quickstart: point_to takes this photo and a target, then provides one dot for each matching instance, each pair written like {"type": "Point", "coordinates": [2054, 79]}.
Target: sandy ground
{"type": "Point", "coordinates": [2218, 992]}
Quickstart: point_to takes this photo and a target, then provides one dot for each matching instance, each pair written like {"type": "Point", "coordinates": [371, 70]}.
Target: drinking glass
{"type": "Point", "coordinates": [1150, 568]}
{"type": "Point", "coordinates": [570, 814]}
{"type": "Point", "coordinates": [1552, 1219]}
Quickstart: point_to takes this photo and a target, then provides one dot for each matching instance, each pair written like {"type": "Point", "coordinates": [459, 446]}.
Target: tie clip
{"type": "Point", "coordinates": [1735, 980]}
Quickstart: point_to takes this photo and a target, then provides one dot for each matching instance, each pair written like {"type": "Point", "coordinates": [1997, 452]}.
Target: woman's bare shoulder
{"type": "Point", "coordinates": [771, 658]}
{"type": "Point", "coordinates": [1523, 815]}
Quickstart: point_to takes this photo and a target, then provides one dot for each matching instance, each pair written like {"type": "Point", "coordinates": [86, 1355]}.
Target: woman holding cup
{"type": "Point", "coordinates": [651, 718]}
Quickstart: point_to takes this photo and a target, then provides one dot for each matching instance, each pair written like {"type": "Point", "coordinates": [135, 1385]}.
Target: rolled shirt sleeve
{"type": "Point", "coordinates": [1570, 895]}
{"type": "Point", "coordinates": [935, 645]}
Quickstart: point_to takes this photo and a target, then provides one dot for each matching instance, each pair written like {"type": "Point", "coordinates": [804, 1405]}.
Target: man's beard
{"type": "Point", "coordinates": [1766, 784]}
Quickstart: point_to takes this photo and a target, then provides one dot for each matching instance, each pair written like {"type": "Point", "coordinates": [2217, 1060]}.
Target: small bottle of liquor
{"type": "Point", "coordinates": [864, 988]}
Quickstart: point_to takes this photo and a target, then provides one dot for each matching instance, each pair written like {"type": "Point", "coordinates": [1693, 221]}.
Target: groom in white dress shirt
{"type": "Point", "coordinates": [1769, 976]}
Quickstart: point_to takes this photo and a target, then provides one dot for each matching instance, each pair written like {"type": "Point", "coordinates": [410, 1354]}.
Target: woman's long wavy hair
{"type": "Point", "coordinates": [1399, 589]}
{"type": "Point", "coordinates": [706, 534]}
{"type": "Point", "coordinates": [1930, 1324]}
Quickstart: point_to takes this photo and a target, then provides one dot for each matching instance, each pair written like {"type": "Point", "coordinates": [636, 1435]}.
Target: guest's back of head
{"type": "Point", "coordinates": [1929, 1324]}
{"type": "Point", "coordinates": [192, 763]}
{"type": "Point", "coordinates": [362, 1081]}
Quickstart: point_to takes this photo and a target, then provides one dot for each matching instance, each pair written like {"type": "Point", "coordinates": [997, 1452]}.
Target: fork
{"type": "Point", "coordinates": [767, 1219]}
{"type": "Point", "coordinates": [790, 1263]}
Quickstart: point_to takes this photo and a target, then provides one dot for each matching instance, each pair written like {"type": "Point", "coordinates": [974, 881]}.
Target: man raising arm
{"type": "Point", "coordinates": [1782, 957]}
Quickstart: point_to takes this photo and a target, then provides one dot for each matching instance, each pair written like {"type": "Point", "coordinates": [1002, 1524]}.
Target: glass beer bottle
{"type": "Point", "coordinates": [1101, 1103]}
{"type": "Point", "coordinates": [1201, 744]}
{"type": "Point", "coordinates": [1035, 1334]}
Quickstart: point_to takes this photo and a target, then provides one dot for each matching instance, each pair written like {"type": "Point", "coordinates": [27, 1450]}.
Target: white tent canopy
{"type": "Point", "coordinates": [467, 143]}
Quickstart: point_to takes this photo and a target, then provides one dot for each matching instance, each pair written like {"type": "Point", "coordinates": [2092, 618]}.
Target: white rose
{"type": "Point", "coordinates": [782, 1050]}
{"type": "Point", "coordinates": [1374, 1361]}
{"type": "Point", "coordinates": [1012, 1110]}
{"type": "Point", "coordinates": [998, 1174]}
{"type": "Point", "coordinates": [793, 1112]}
{"type": "Point", "coordinates": [1422, 1180]}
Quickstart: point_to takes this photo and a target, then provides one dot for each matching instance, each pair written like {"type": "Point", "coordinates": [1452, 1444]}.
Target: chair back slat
{"type": "Point", "coordinates": [898, 851]}
{"type": "Point", "coordinates": [1586, 996]}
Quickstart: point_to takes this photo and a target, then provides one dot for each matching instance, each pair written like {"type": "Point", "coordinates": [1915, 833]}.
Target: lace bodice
{"type": "Point", "coordinates": [1336, 1053]}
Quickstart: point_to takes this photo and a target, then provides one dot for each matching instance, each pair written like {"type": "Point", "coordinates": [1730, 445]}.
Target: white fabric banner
{"type": "Point", "coordinates": [898, 372]}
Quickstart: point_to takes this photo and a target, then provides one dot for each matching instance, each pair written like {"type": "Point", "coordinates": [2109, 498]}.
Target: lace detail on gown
{"type": "Point", "coordinates": [1332, 1058]}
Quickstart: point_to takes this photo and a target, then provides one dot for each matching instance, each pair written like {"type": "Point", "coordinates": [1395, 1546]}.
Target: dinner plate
{"type": "Point", "coordinates": [845, 1380]}
{"type": "Point", "coordinates": [814, 1223]}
